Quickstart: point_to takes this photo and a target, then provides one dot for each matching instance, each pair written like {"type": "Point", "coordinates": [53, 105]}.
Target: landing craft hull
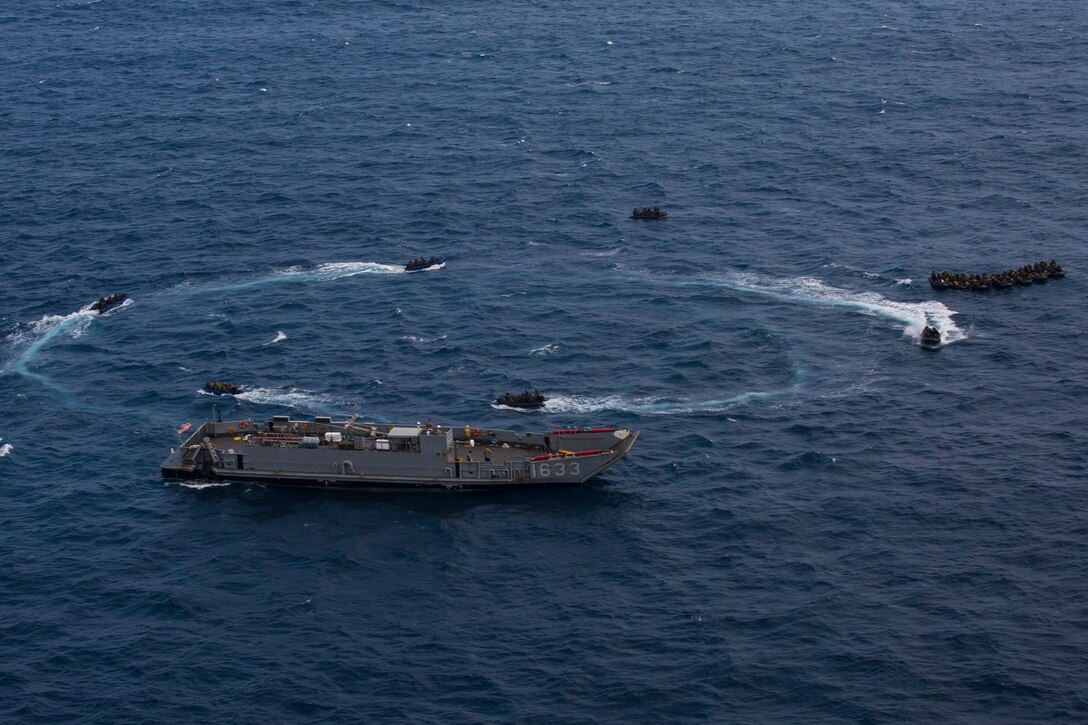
{"type": "Point", "coordinates": [344, 455]}
{"type": "Point", "coordinates": [336, 483]}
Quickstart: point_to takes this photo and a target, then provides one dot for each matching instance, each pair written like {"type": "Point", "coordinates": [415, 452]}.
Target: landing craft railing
{"type": "Point", "coordinates": [277, 439]}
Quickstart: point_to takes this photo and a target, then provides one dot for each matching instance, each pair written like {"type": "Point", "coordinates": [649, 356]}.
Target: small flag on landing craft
{"type": "Point", "coordinates": [184, 428]}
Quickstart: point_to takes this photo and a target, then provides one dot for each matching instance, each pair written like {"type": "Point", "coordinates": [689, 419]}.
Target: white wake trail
{"type": "Point", "coordinates": [327, 272]}
{"type": "Point", "coordinates": [808, 290]}
{"type": "Point", "coordinates": [292, 397]}
{"type": "Point", "coordinates": [648, 406]}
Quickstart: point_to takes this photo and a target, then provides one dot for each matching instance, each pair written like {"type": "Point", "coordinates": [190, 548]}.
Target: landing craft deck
{"type": "Point", "coordinates": [320, 453]}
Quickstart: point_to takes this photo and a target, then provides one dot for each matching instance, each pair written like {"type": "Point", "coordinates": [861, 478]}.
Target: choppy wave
{"type": "Point", "coordinates": [544, 350]}
{"type": "Point", "coordinates": [604, 252]}
{"type": "Point", "coordinates": [421, 340]}
{"type": "Point", "coordinates": [5, 449]}
{"type": "Point", "coordinates": [280, 337]}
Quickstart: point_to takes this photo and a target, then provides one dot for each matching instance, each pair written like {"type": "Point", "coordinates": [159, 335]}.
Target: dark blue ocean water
{"type": "Point", "coordinates": [822, 521]}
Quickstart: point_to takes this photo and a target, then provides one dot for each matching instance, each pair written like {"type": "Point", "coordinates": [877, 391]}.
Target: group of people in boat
{"type": "Point", "coordinates": [422, 262]}
{"type": "Point", "coordinates": [1038, 272]}
{"type": "Point", "coordinates": [521, 400]}
{"type": "Point", "coordinates": [931, 335]}
{"type": "Point", "coordinates": [648, 213]}
{"type": "Point", "coordinates": [221, 387]}
{"type": "Point", "coordinates": [105, 303]}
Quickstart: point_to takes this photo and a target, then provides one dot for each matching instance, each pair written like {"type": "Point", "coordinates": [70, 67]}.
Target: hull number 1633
{"type": "Point", "coordinates": [558, 469]}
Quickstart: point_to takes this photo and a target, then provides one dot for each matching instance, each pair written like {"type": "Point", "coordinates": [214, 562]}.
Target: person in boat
{"type": "Point", "coordinates": [634, 212]}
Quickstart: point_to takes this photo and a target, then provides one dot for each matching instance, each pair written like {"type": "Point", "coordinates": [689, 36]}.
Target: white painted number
{"type": "Point", "coordinates": [561, 469]}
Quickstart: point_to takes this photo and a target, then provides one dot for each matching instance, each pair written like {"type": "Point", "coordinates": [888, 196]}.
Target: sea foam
{"type": "Point", "coordinates": [33, 337]}
{"type": "Point", "coordinates": [292, 398]}
{"type": "Point", "coordinates": [327, 272]}
{"type": "Point", "coordinates": [914, 316]}
{"type": "Point", "coordinates": [651, 406]}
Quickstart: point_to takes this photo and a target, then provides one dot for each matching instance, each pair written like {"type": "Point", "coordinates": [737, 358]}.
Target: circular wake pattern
{"type": "Point", "coordinates": [821, 521]}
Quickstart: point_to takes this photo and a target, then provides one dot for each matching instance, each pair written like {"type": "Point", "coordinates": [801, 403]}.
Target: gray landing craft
{"type": "Point", "coordinates": [320, 453]}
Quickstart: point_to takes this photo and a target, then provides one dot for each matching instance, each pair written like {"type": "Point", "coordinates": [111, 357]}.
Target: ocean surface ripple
{"type": "Point", "coordinates": [823, 521]}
